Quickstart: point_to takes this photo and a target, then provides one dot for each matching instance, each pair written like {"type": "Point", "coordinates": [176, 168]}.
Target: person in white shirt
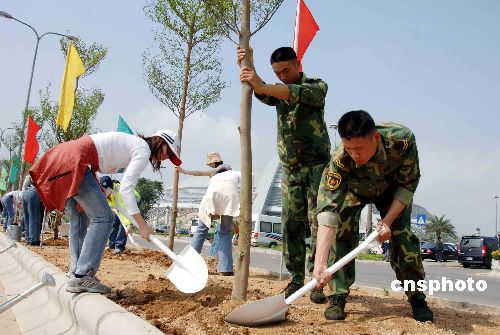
{"type": "Point", "coordinates": [221, 199]}
{"type": "Point", "coordinates": [65, 179]}
{"type": "Point", "coordinates": [11, 201]}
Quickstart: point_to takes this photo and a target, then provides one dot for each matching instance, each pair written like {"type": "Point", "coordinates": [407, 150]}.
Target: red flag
{"type": "Point", "coordinates": [32, 147]}
{"type": "Point", "coordinates": [305, 29]}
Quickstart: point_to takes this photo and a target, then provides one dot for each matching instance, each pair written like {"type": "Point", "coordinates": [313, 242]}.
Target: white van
{"type": "Point", "coordinates": [266, 230]}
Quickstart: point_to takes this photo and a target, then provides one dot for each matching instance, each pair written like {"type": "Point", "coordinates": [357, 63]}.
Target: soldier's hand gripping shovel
{"type": "Point", "coordinates": [189, 272]}
{"type": "Point", "coordinates": [273, 309]}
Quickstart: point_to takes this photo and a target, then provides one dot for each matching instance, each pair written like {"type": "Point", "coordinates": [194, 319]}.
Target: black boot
{"type": "Point", "coordinates": [291, 288]}
{"type": "Point", "coordinates": [421, 312]}
{"type": "Point", "coordinates": [335, 309]}
{"type": "Point", "coordinates": [317, 296]}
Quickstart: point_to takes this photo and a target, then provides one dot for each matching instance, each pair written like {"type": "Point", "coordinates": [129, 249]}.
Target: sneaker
{"type": "Point", "coordinates": [317, 296]}
{"type": "Point", "coordinates": [335, 309]}
{"type": "Point", "coordinates": [421, 312]}
{"type": "Point", "coordinates": [230, 273]}
{"type": "Point", "coordinates": [117, 251]}
{"type": "Point", "coordinates": [89, 283]}
{"type": "Point", "coordinates": [291, 288]}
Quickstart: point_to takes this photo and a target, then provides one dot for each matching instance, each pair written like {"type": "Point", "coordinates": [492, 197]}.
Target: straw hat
{"type": "Point", "coordinates": [213, 157]}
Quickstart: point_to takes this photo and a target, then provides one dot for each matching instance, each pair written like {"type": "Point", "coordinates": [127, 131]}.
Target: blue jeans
{"type": "Point", "coordinates": [8, 208]}
{"type": "Point", "coordinates": [87, 242]}
{"type": "Point", "coordinates": [118, 237]}
{"type": "Point", "coordinates": [225, 248]}
{"type": "Point", "coordinates": [32, 215]}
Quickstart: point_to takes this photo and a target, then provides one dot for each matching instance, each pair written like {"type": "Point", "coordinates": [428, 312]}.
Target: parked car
{"type": "Point", "coordinates": [428, 251]}
{"type": "Point", "coordinates": [182, 231]}
{"type": "Point", "coordinates": [476, 250]}
{"type": "Point", "coordinates": [163, 229]}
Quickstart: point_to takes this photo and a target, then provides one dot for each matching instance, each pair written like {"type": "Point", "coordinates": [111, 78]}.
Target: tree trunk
{"type": "Point", "coordinates": [182, 116]}
{"type": "Point", "coordinates": [57, 223]}
{"type": "Point", "coordinates": [240, 284]}
{"type": "Point", "coordinates": [368, 226]}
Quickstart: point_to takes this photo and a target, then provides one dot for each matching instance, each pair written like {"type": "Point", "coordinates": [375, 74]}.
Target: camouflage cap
{"type": "Point", "coordinates": [213, 157]}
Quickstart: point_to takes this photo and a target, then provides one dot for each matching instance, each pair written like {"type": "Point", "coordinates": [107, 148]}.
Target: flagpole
{"type": "Point", "coordinates": [296, 30]}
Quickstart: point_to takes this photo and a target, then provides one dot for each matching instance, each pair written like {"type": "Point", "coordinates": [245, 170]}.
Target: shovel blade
{"type": "Point", "coordinates": [189, 272]}
{"type": "Point", "coordinates": [261, 312]}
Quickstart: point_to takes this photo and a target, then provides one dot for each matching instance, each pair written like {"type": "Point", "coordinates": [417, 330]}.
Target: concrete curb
{"type": "Point", "coordinates": [52, 310]}
{"type": "Point", "coordinates": [384, 293]}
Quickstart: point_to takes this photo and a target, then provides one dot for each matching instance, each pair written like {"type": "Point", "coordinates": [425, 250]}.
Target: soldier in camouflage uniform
{"type": "Point", "coordinates": [304, 151]}
{"type": "Point", "coordinates": [375, 164]}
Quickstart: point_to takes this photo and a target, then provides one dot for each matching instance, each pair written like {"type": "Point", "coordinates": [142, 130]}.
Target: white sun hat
{"type": "Point", "coordinates": [171, 139]}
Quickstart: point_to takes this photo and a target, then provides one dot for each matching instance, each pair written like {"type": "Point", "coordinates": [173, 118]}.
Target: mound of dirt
{"type": "Point", "coordinates": [140, 286]}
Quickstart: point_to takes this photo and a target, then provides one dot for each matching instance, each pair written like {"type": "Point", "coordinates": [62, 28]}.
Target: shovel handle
{"type": "Point", "coordinates": [152, 238]}
{"type": "Point", "coordinates": [334, 268]}
{"type": "Point", "coordinates": [163, 248]}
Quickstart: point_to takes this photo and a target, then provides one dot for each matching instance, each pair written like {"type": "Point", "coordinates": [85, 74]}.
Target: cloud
{"type": "Point", "coordinates": [202, 133]}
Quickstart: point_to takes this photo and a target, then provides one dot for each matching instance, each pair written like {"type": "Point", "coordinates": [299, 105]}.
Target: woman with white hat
{"type": "Point", "coordinates": [65, 179]}
{"type": "Point", "coordinates": [221, 199]}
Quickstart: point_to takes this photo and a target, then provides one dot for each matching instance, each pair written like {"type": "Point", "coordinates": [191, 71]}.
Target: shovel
{"type": "Point", "coordinates": [12, 244]}
{"type": "Point", "coordinates": [189, 272]}
{"type": "Point", "coordinates": [273, 309]}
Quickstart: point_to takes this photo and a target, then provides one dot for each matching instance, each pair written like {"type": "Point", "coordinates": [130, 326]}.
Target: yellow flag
{"type": "Point", "coordinates": [74, 68]}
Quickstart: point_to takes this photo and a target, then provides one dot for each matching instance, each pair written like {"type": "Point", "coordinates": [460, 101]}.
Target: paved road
{"type": "Point", "coordinates": [380, 275]}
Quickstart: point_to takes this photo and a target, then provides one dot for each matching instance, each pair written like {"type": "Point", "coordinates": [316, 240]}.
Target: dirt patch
{"type": "Point", "coordinates": [139, 285]}
{"type": "Point", "coordinates": [60, 242]}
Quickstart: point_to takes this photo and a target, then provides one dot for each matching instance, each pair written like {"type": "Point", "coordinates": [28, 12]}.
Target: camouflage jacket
{"type": "Point", "coordinates": [302, 134]}
{"type": "Point", "coordinates": [395, 164]}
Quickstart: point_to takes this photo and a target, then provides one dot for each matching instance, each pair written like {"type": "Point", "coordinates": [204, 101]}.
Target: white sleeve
{"type": "Point", "coordinates": [26, 182]}
{"type": "Point", "coordinates": [139, 161]}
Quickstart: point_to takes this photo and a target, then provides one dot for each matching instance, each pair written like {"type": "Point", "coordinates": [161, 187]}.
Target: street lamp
{"type": "Point", "coordinates": [335, 127]}
{"type": "Point", "coordinates": [38, 38]}
{"type": "Point", "coordinates": [496, 213]}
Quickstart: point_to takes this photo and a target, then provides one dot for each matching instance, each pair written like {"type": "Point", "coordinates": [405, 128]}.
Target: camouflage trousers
{"type": "Point", "coordinates": [404, 248]}
{"type": "Point", "coordinates": [299, 191]}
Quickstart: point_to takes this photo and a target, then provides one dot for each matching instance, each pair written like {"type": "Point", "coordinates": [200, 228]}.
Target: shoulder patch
{"type": "Point", "coordinates": [333, 180]}
{"type": "Point", "coordinates": [401, 144]}
{"type": "Point", "coordinates": [342, 161]}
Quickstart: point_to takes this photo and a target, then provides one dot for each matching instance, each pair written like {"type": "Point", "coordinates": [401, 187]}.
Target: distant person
{"type": "Point", "coordinates": [386, 251]}
{"type": "Point", "coordinates": [65, 178]}
{"type": "Point", "coordinates": [439, 250]}
{"type": "Point", "coordinates": [122, 225]}
{"type": "Point", "coordinates": [304, 151]}
{"type": "Point", "coordinates": [376, 163]}
{"type": "Point", "coordinates": [3, 214]}
{"type": "Point", "coordinates": [32, 213]}
{"type": "Point", "coordinates": [11, 201]}
{"type": "Point", "coordinates": [221, 199]}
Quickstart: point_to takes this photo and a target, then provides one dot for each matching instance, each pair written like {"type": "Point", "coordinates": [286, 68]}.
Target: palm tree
{"type": "Point", "coordinates": [441, 227]}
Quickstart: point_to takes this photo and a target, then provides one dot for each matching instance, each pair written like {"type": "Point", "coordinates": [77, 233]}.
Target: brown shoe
{"type": "Point", "coordinates": [226, 273]}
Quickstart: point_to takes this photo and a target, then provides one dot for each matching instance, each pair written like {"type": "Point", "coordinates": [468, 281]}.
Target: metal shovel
{"type": "Point", "coordinates": [273, 309]}
{"type": "Point", "coordinates": [189, 272]}
{"type": "Point", "coordinates": [12, 244]}
{"type": "Point", "coordinates": [47, 280]}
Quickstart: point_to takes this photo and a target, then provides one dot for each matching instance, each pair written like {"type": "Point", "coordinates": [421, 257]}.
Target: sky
{"type": "Point", "coordinates": [430, 65]}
